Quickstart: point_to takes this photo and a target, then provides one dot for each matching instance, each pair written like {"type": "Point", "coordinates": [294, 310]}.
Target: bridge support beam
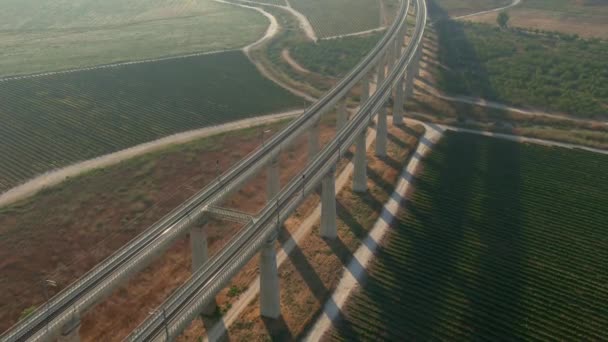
{"type": "Point", "coordinates": [270, 304]}
{"type": "Point", "coordinates": [198, 243]}
{"type": "Point", "coordinates": [273, 185]}
{"type": "Point", "coordinates": [381, 128]}
{"type": "Point", "coordinates": [313, 141]}
{"type": "Point", "coordinates": [398, 103]}
{"type": "Point", "coordinates": [342, 118]}
{"type": "Point", "coordinates": [200, 256]}
{"type": "Point", "coordinates": [329, 227]}
{"type": "Point", "coordinates": [360, 172]}
{"type": "Point", "coordinates": [70, 332]}
{"type": "Point", "coordinates": [364, 89]}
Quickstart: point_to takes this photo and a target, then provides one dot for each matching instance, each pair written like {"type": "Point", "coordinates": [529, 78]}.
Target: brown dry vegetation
{"type": "Point", "coordinates": [313, 270]}
{"type": "Point", "coordinates": [587, 18]}
{"type": "Point", "coordinates": [66, 230]}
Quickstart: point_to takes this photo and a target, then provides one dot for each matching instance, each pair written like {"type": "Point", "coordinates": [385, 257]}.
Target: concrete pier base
{"type": "Point", "coordinates": [398, 103]}
{"type": "Point", "coordinates": [273, 184]}
{"type": "Point", "coordinates": [329, 227]}
{"type": "Point", "coordinates": [360, 171]}
{"type": "Point", "coordinates": [381, 133]}
{"type": "Point", "coordinates": [313, 141]}
{"type": "Point", "coordinates": [70, 332]}
{"type": "Point", "coordinates": [270, 305]}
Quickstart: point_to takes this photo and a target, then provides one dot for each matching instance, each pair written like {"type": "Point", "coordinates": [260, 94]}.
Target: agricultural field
{"type": "Point", "coordinates": [542, 70]}
{"type": "Point", "coordinates": [335, 57]}
{"type": "Point", "coordinates": [587, 18]}
{"type": "Point", "coordinates": [53, 121]}
{"type": "Point", "coordinates": [337, 17]}
{"type": "Point", "coordinates": [44, 35]}
{"type": "Point", "coordinates": [456, 8]}
{"type": "Point", "coordinates": [498, 241]}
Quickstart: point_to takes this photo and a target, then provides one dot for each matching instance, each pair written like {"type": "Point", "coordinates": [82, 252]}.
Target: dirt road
{"type": "Point", "coordinates": [52, 178]}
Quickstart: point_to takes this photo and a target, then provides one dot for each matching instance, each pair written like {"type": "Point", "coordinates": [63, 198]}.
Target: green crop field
{"type": "Point", "coordinates": [499, 241]}
{"type": "Point", "coordinates": [43, 35]}
{"type": "Point", "coordinates": [53, 121]}
{"type": "Point", "coordinates": [336, 17]}
{"type": "Point", "coordinates": [335, 57]}
{"type": "Point", "coordinates": [549, 71]}
{"type": "Point", "coordinates": [464, 7]}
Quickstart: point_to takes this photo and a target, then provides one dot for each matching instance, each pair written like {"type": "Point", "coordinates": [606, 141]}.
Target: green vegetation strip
{"type": "Point", "coordinates": [336, 17]}
{"type": "Point", "coordinates": [335, 57]}
{"type": "Point", "coordinates": [51, 122]}
{"type": "Point", "coordinates": [547, 70]}
{"type": "Point", "coordinates": [499, 241]}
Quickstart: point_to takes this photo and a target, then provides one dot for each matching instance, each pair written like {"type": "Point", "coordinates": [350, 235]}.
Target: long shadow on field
{"type": "Point", "coordinates": [313, 282]}
{"type": "Point", "coordinates": [277, 329]}
{"type": "Point", "coordinates": [394, 304]}
{"type": "Point", "coordinates": [496, 298]}
{"type": "Point", "coordinates": [465, 74]}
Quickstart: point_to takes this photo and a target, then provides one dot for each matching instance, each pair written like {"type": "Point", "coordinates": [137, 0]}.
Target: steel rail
{"type": "Point", "coordinates": [187, 302]}
{"type": "Point", "coordinates": [134, 256]}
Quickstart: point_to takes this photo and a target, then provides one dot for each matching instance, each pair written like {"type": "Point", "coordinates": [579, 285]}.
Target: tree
{"type": "Point", "coordinates": [502, 19]}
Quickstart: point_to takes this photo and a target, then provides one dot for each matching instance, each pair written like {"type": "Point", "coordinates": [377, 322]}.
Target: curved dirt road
{"type": "Point", "coordinates": [514, 3]}
{"type": "Point", "coordinates": [304, 23]}
{"type": "Point", "coordinates": [496, 105]}
{"type": "Point", "coordinates": [52, 178]}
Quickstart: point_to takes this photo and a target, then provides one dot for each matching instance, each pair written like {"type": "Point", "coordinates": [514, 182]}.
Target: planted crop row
{"type": "Point", "coordinates": [499, 241]}
{"type": "Point", "coordinates": [50, 122]}
{"type": "Point", "coordinates": [337, 17]}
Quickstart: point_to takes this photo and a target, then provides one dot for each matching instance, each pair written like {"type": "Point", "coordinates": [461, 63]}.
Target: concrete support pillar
{"type": "Point", "coordinates": [200, 256]}
{"type": "Point", "coordinates": [381, 70]}
{"type": "Point", "coordinates": [342, 115]}
{"type": "Point", "coordinates": [409, 81]}
{"type": "Point", "coordinates": [360, 172]}
{"type": "Point", "coordinates": [417, 58]}
{"type": "Point", "coordinates": [273, 185]}
{"type": "Point", "coordinates": [364, 89]}
{"type": "Point", "coordinates": [313, 141]}
{"type": "Point", "coordinates": [329, 227]}
{"type": "Point", "coordinates": [381, 129]}
{"type": "Point", "coordinates": [270, 305]}
{"type": "Point", "coordinates": [398, 103]}
{"type": "Point", "coordinates": [381, 133]}
{"type": "Point", "coordinates": [198, 244]}
{"type": "Point", "coordinates": [70, 332]}
{"type": "Point", "coordinates": [398, 45]}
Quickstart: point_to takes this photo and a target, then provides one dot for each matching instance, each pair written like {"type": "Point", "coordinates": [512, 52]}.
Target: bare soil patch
{"type": "Point", "coordinates": [583, 25]}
